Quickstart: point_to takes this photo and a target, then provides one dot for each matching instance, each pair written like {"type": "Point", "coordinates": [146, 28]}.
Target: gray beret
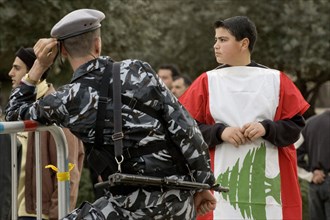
{"type": "Point", "coordinates": [76, 23]}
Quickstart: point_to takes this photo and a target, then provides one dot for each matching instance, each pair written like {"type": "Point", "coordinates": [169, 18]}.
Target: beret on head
{"type": "Point", "coordinates": [27, 56]}
{"type": "Point", "coordinates": [77, 22]}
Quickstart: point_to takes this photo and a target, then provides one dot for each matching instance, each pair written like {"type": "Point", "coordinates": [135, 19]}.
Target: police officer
{"type": "Point", "coordinates": [161, 139]}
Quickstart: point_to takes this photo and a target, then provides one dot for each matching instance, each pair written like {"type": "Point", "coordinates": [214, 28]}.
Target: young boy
{"type": "Point", "coordinates": [250, 116]}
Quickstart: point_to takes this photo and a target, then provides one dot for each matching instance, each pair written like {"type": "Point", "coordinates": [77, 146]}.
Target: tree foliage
{"type": "Point", "coordinates": [293, 35]}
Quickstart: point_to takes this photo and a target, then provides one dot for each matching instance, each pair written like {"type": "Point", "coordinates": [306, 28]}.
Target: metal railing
{"type": "Point", "coordinates": [62, 163]}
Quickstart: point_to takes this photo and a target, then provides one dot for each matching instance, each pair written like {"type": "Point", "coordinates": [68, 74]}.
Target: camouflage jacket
{"type": "Point", "coordinates": [75, 105]}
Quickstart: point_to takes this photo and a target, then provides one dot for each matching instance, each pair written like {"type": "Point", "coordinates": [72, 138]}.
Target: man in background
{"type": "Point", "coordinates": [23, 62]}
{"type": "Point", "coordinates": [180, 85]}
{"type": "Point", "coordinates": [313, 156]}
{"type": "Point", "coordinates": [167, 72]}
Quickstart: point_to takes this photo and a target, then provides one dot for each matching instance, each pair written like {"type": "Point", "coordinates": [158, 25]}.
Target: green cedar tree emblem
{"type": "Point", "coordinates": [249, 186]}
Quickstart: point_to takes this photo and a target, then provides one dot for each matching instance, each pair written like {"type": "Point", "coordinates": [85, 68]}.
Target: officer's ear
{"type": "Point", "coordinates": [64, 52]}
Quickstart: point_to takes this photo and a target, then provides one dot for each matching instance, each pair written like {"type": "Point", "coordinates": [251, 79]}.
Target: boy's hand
{"type": "Point", "coordinates": [233, 135]}
{"type": "Point", "coordinates": [253, 130]}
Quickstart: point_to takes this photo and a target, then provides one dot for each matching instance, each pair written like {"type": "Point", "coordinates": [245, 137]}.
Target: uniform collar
{"type": "Point", "coordinates": [90, 66]}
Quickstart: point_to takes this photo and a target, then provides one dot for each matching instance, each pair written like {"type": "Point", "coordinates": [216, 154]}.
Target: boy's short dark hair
{"type": "Point", "coordinates": [240, 27]}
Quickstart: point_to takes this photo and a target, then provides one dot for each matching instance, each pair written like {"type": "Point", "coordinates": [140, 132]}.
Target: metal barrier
{"type": "Point", "coordinates": [62, 163]}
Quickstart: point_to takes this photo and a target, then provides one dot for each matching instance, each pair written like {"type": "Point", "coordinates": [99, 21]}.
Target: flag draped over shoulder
{"type": "Point", "coordinates": [262, 177]}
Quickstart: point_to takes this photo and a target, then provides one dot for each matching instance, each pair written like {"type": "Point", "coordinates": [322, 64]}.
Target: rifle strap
{"type": "Point", "coordinates": [102, 103]}
{"type": "Point", "coordinates": [101, 106]}
{"type": "Point", "coordinates": [118, 134]}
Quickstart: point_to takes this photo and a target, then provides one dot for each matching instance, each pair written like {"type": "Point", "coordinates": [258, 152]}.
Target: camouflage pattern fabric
{"type": "Point", "coordinates": [74, 106]}
{"type": "Point", "coordinates": [142, 205]}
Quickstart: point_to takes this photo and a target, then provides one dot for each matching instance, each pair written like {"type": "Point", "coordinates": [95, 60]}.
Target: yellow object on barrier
{"type": "Point", "coordinates": [61, 176]}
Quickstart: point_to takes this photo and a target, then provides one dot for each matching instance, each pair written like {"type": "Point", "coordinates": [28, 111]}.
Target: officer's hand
{"type": "Point", "coordinates": [253, 130]}
{"type": "Point", "coordinates": [45, 50]}
{"type": "Point", "coordinates": [233, 135]}
{"type": "Point", "coordinates": [204, 202]}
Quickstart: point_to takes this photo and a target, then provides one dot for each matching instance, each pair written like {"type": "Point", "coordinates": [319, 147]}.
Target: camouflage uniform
{"type": "Point", "coordinates": [75, 106]}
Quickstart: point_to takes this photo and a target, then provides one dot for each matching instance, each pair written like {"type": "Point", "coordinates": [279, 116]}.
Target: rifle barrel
{"type": "Point", "coordinates": [130, 179]}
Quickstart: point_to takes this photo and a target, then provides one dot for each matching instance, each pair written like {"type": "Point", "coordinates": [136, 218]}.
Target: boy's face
{"type": "Point", "coordinates": [226, 48]}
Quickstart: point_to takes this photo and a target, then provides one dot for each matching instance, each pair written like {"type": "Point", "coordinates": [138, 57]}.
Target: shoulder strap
{"type": "Point", "coordinates": [101, 105]}
{"type": "Point", "coordinates": [101, 111]}
{"type": "Point", "coordinates": [118, 135]}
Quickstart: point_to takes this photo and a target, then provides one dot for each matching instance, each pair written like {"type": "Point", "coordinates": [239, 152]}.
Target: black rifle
{"type": "Point", "coordinates": [119, 179]}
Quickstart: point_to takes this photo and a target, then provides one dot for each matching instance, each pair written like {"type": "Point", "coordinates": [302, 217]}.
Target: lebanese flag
{"type": "Point", "coordinates": [262, 178]}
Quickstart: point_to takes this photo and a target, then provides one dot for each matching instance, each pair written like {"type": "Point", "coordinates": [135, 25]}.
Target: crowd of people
{"type": "Point", "coordinates": [234, 126]}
